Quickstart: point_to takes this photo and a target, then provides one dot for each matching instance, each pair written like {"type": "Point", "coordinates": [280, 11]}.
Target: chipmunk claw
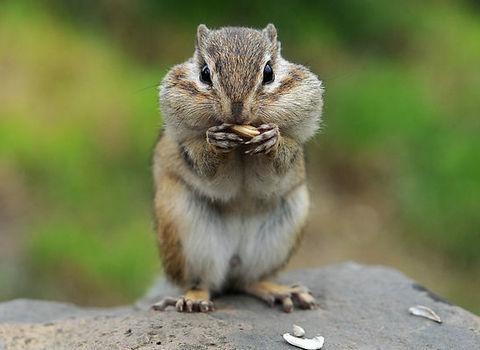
{"type": "Point", "coordinates": [222, 139]}
{"type": "Point", "coordinates": [303, 297]}
{"type": "Point", "coordinates": [164, 303]}
{"type": "Point", "coordinates": [265, 142]}
{"type": "Point", "coordinates": [299, 296]}
{"type": "Point", "coordinates": [287, 296]}
{"type": "Point", "coordinates": [184, 304]}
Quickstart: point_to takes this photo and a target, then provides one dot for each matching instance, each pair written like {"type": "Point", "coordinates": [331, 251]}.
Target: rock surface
{"type": "Point", "coordinates": [361, 307]}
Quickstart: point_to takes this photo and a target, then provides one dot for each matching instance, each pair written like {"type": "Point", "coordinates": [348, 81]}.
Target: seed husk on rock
{"type": "Point", "coordinates": [315, 343]}
{"type": "Point", "coordinates": [423, 311]}
{"type": "Point", "coordinates": [298, 331]}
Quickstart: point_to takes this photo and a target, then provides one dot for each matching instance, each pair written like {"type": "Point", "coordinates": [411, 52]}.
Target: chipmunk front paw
{"type": "Point", "coordinates": [222, 139]}
{"type": "Point", "coordinates": [265, 142]}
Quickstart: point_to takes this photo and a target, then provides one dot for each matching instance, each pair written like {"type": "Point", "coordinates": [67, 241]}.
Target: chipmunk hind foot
{"type": "Point", "coordinates": [287, 296]}
{"type": "Point", "coordinates": [194, 300]}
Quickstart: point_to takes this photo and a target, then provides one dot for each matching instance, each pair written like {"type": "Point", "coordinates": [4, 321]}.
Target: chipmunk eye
{"type": "Point", "coordinates": [268, 74]}
{"type": "Point", "coordinates": [205, 75]}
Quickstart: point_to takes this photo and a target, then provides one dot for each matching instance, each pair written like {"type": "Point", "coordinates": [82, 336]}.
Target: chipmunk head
{"type": "Point", "coordinates": [238, 76]}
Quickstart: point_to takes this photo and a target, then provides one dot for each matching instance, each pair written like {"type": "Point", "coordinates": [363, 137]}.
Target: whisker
{"type": "Point", "coordinates": [146, 88]}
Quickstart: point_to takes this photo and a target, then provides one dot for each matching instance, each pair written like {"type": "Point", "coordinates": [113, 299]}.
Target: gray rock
{"type": "Point", "coordinates": [361, 307]}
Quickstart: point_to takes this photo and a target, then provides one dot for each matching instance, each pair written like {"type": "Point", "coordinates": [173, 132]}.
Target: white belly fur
{"type": "Point", "coordinates": [261, 241]}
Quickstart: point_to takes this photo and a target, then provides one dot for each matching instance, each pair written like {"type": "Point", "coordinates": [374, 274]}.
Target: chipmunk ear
{"type": "Point", "coordinates": [202, 35]}
{"type": "Point", "coordinates": [270, 32]}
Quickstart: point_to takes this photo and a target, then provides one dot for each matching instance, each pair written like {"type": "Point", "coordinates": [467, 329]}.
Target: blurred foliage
{"type": "Point", "coordinates": [77, 130]}
{"type": "Point", "coordinates": [78, 119]}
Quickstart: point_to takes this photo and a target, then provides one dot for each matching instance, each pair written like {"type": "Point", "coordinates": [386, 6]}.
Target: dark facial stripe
{"type": "Point", "coordinates": [237, 54]}
{"type": "Point", "coordinates": [237, 108]}
{"type": "Point", "coordinates": [187, 86]}
{"type": "Point", "coordinates": [186, 157]}
{"type": "Point", "coordinates": [178, 74]}
{"type": "Point", "coordinates": [291, 81]}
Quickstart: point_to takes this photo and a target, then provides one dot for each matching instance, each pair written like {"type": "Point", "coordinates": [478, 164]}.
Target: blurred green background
{"type": "Point", "coordinates": [395, 173]}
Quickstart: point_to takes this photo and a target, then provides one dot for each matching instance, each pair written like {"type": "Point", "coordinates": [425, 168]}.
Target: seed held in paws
{"type": "Point", "coordinates": [245, 130]}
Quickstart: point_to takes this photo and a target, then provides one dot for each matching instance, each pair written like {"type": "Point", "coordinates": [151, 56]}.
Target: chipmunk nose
{"type": "Point", "coordinates": [237, 109]}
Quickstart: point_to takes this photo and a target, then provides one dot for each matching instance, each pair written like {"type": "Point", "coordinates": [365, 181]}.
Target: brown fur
{"type": "Point", "coordinates": [196, 294]}
{"type": "Point", "coordinates": [287, 155]}
{"type": "Point", "coordinates": [201, 159]}
{"type": "Point", "coordinates": [246, 47]}
{"type": "Point", "coordinates": [169, 243]}
{"type": "Point", "coordinates": [227, 183]}
{"type": "Point", "coordinates": [292, 81]}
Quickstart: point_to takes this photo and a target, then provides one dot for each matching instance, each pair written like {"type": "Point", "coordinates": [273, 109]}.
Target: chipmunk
{"type": "Point", "coordinates": [230, 207]}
